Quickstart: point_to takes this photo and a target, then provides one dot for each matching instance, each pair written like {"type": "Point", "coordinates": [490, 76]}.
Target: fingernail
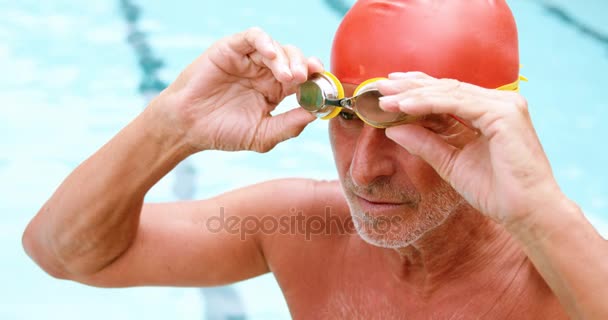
{"type": "Point", "coordinates": [405, 75]}
{"type": "Point", "coordinates": [382, 83]}
{"type": "Point", "coordinates": [301, 69]}
{"type": "Point", "coordinates": [319, 61]}
{"type": "Point", "coordinates": [287, 72]}
{"type": "Point", "coordinates": [388, 103]}
{"type": "Point", "coordinates": [397, 75]}
{"type": "Point", "coordinates": [272, 49]}
{"type": "Point", "coordinates": [387, 87]}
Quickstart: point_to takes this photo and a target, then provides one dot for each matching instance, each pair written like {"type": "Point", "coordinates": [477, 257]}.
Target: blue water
{"type": "Point", "coordinates": [68, 83]}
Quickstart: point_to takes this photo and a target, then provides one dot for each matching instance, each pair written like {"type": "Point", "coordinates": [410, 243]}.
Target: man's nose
{"type": "Point", "coordinates": [373, 158]}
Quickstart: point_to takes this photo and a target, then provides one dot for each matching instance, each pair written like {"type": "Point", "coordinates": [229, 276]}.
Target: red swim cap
{"type": "Point", "coordinates": [473, 41]}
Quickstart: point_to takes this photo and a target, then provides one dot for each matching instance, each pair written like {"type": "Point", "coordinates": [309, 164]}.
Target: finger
{"type": "Point", "coordinates": [407, 83]}
{"type": "Point", "coordinates": [443, 99]}
{"type": "Point", "coordinates": [251, 40]}
{"type": "Point", "coordinates": [285, 126]}
{"type": "Point", "coordinates": [430, 147]}
{"type": "Point", "coordinates": [297, 63]}
{"type": "Point", "coordinates": [263, 51]}
{"type": "Point", "coordinates": [396, 86]}
{"type": "Point", "coordinates": [314, 65]}
{"type": "Point", "coordinates": [467, 111]}
{"type": "Point", "coordinates": [392, 103]}
{"type": "Point", "coordinates": [280, 65]}
{"type": "Point", "coordinates": [478, 113]}
{"type": "Point", "coordinates": [399, 82]}
{"type": "Point", "coordinates": [409, 75]}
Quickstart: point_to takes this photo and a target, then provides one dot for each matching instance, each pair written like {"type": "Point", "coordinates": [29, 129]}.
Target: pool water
{"type": "Point", "coordinates": [70, 82]}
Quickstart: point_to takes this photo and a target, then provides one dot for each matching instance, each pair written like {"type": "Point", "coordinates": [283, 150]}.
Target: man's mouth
{"type": "Point", "coordinates": [372, 205]}
{"type": "Point", "coordinates": [378, 201]}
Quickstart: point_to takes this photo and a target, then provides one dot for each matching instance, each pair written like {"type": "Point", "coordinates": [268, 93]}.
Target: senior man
{"type": "Point", "coordinates": [456, 210]}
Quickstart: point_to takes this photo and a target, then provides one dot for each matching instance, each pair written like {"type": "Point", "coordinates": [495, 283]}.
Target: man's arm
{"type": "Point", "coordinates": [570, 255]}
{"type": "Point", "coordinates": [183, 244]}
{"type": "Point", "coordinates": [94, 215]}
{"type": "Point", "coordinates": [96, 229]}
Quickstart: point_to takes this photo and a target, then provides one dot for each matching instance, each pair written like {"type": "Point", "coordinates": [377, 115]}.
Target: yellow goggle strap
{"type": "Point", "coordinates": [514, 86]}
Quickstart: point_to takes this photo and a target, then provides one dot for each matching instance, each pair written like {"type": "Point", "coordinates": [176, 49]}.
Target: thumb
{"type": "Point", "coordinates": [425, 144]}
{"type": "Point", "coordinates": [287, 125]}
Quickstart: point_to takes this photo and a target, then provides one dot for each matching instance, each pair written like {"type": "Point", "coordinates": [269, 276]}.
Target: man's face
{"type": "Point", "coordinates": [394, 197]}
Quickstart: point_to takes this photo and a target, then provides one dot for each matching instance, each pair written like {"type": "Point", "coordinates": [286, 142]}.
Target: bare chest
{"type": "Point", "coordinates": [333, 280]}
{"type": "Point", "coordinates": [358, 290]}
{"type": "Point", "coordinates": [366, 303]}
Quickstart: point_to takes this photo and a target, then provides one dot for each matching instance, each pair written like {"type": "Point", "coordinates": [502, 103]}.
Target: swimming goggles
{"type": "Point", "coordinates": [323, 96]}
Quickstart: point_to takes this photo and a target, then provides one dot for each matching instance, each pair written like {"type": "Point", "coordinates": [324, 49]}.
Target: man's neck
{"type": "Point", "coordinates": [467, 248]}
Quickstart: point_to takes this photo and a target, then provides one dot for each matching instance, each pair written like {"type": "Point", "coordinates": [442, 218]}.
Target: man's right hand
{"type": "Point", "coordinates": [223, 100]}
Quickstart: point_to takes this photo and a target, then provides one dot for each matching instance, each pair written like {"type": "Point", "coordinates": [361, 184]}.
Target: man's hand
{"type": "Point", "coordinates": [502, 170]}
{"type": "Point", "coordinates": [223, 100]}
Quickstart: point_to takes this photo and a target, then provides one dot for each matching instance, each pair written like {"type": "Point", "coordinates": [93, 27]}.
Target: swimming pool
{"type": "Point", "coordinates": [70, 82]}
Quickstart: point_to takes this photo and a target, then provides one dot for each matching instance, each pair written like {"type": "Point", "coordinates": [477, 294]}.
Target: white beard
{"type": "Point", "coordinates": [431, 213]}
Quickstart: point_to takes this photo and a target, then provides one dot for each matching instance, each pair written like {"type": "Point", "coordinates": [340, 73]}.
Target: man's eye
{"type": "Point", "coordinates": [346, 115]}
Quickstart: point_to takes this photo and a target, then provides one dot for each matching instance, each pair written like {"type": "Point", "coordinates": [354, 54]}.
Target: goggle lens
{"type": "Point", "coordinates": [367, 106]}
{"type": "Point", "coordinates": [310, 96]}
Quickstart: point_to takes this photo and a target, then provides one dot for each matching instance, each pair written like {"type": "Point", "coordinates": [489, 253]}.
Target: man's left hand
{"type": "Point", "coordinates": [502, 171]}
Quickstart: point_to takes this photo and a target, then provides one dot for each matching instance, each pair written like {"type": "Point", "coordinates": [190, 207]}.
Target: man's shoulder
{"type": "Point", "coordinates": [316, 218]}
{"type": "Point", "coordinates": [310, 197]}
{"type": "Point", "coordinates": [310, 208]}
